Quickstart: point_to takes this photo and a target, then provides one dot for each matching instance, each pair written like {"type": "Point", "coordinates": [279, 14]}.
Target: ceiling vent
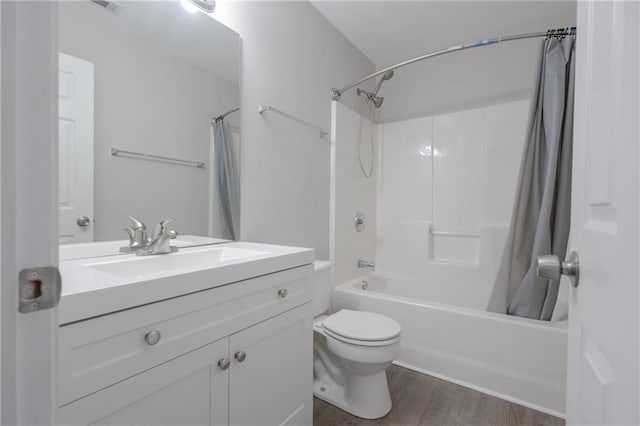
{"type": "Point", "coordinates": [107, 5]}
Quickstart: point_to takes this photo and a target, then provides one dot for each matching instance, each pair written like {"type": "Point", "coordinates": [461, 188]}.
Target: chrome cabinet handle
{"type": "Point", "coordinates": [282, 293]}
{"type": "Point", "coordinates": [83, 221]}
{"type": "Point", "coordinates": [224, 364]}
{"type": "Point", "coordinates": [551, 268]}
{"type": "Point", "coordinates": [240, 356]}
{"type": "Point", "coordinates": [152, 337]}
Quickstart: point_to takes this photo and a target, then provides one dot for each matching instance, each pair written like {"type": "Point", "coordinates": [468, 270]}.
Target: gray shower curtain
{"type": "Point", "coordinates": [226, 180]}
{"type": "Point", "coordinates": [541, 213]}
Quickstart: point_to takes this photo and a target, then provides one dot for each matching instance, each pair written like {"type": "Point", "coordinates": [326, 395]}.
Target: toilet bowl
{"type": "Point", "coordinates": [352, 350]}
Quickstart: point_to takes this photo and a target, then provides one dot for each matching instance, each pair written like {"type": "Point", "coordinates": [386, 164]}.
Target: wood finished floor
{"type": "Point", "coordinates": [424, 400]}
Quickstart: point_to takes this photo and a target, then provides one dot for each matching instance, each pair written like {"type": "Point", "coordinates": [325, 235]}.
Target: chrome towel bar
{"type": "Point", "coordinates": [152, 157]}
{"type": "Point", "coordinates": [265, 108]}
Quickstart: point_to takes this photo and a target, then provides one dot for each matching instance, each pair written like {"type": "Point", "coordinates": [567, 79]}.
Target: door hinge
{"type": "Point", "coordinates": [40, 288]}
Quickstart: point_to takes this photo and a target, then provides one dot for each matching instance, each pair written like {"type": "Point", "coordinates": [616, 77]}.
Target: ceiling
{"type": "Point", "coordinates": [390, 31]}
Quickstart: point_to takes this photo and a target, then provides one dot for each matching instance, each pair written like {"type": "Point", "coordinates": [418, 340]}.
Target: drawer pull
{"type": "Point", "coordinates": [152, 337]}
{"type": "Point", "coordinates": [240, 356]}
{"type": "Point", "coordinates": [282, 293]}
{"type": "Point", "coordinates": [224, 364]}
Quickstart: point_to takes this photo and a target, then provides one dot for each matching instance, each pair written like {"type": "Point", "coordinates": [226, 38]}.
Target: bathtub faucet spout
{"type": "Point", "coordinates": [365, 264]}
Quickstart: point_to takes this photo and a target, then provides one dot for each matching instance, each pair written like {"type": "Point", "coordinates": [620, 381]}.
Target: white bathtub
{"type": "Point", "coordinates": [517, 359]}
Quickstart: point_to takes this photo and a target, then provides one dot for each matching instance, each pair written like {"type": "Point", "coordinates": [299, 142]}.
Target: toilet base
{"type": "Point", "coordinates": [368, 396]}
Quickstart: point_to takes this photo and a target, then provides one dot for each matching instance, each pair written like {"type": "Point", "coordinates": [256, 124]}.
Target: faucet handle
{"type": "Point", "coordinates": [162, 226]}
{"type": "Point", "coordinates": [137, 224]}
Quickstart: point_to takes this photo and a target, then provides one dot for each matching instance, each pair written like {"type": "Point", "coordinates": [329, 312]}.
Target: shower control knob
{"type": "Point", "coordinates": [240, 356]}
{"type": "Point", "coordinates": [551, 268]}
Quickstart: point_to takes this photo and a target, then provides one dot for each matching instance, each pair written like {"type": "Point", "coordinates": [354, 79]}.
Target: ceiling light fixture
{"type": "Point", "coordinates": [191, 6]}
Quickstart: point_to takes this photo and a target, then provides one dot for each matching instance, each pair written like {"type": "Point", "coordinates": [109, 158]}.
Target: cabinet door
{"type": "Point", "coordinates": [188, 390]}
{"type": "Point", "coordinates": [273, 384]}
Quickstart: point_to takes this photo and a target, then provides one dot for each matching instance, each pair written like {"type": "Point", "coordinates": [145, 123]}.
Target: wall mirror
{"type": "Point", "coordinates": [139, 86]}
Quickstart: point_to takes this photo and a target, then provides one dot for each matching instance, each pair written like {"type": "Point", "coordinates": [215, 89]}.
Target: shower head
{"type": "Point", "coordinates": [373, 96]}
{"type": "Point", "coordinates": [376, 100]}
{"type": "Point", "coordinates": [386, 76]}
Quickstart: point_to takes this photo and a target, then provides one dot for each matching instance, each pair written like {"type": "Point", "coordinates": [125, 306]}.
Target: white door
{"type": "Point", "coordinates": [29, 197]}
{"type": "Point", "coordinates": [603, 355]}
{"type": "Point", "coordinates": [75, 134]}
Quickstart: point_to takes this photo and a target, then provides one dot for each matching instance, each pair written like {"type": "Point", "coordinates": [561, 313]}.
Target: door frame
{"type": "Point", "coordinates": [28, 199]}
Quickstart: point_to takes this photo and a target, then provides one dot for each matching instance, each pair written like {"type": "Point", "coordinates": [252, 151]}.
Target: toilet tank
{"type": "Point", "coordinates": [321, 286]}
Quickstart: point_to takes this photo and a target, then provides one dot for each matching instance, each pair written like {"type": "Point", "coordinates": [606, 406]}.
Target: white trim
{"type": "Point", "coordinates": [29, 155]}
{"type": "Point", "coordinates": [480, 389]}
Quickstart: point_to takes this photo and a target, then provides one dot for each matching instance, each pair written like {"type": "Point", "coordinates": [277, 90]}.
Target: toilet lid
{"type": "Point", "coordinates": [358, 325]}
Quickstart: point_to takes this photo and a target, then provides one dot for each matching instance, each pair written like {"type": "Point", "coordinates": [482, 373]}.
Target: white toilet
{"type": "Point", "coordinates": [351, 350]}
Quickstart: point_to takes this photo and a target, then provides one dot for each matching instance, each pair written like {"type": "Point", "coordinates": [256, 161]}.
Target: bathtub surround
{"type": "Point", "coordinates": [541, 213]}
{"type": "Point", "coordinates": [227, 180]}
{"type": "Point", "coordinates": [447, 173]}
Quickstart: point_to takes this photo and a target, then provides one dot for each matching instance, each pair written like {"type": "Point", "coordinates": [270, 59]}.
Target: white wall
{"type": "Point", "coordinates": [456, 172]}
{"type": "Point", "coordinates": [291, 58]}
{"type": "Point", "coordinates": [135, 109]}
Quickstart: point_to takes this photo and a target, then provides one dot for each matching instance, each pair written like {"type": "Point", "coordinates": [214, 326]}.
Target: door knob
{"type": "Point", "coordinates": [83, 221]}
{"type": "Point", "coordinates": [240, 356]}
{"type": "Point", "coordinates": [551, 268]}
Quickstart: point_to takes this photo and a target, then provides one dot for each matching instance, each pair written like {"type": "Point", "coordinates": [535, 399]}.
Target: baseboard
{"type": "Point", "coordinates": [481, 389]}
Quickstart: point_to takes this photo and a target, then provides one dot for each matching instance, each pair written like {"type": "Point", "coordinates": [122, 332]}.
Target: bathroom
{"type": "Point", "coordinates": [443, 152]}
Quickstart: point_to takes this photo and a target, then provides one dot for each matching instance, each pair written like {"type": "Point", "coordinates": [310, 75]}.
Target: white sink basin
{"type": "Point", "coordinates": [166, 263]}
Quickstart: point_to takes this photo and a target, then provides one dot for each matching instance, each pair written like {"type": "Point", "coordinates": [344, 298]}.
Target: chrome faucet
{"type": "Point", "coordinates": [143, 244]}
{"type": "Point", "coordinates": [365, 264]}
{"type": "Point", "coordinates": [160, 241]}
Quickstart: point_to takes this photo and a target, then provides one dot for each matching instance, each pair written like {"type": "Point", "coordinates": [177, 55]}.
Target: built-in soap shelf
{"type": "Point", "coordinates": [453, 247]}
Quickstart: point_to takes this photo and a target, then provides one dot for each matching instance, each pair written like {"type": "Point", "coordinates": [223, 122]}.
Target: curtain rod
{"type": "Point", "coordinates": [221, 117]}
{"type": "Point", "coordinates": [560, 32]}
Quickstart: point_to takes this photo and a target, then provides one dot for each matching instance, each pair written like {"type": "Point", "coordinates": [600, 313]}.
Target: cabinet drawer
{"type": "Point", "coordinates": [98, 352]}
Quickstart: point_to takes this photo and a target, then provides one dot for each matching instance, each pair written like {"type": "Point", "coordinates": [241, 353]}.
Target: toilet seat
{"type": "Point", "coordinates": [362, 328]}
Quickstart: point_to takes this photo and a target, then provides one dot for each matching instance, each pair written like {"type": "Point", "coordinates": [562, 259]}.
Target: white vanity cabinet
{"type": "Point", "coordinates": [237, 354]}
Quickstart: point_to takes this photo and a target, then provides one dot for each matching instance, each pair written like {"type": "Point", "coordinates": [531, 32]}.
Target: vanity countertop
{"type": "Point", "coordinates": [97, 286]}
{"type": "Point", "coordinates": [111, 248]}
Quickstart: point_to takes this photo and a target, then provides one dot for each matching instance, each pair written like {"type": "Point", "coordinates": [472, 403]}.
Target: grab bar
{"type": "Point", "coordinates": [462, 234]}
